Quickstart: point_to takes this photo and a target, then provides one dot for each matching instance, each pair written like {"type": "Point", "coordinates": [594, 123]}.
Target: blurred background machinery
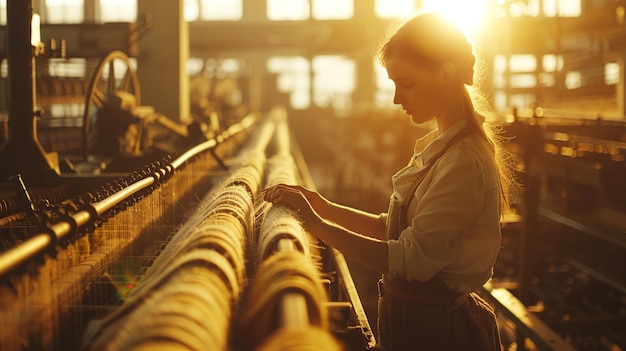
{"type": "Point", "coordinates": [137, 136]}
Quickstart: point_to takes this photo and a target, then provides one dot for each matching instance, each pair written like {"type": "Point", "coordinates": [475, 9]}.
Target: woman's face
{"type": "Point", "coordinates": [419, 90]}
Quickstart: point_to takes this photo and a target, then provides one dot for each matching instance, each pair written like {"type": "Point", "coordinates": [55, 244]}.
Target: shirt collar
{"type": "Point", "coordinates": [433, 143]}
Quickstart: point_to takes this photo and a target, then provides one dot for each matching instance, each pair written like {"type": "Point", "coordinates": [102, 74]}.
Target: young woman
{"type": "Point", "coordinates": [439, 240]}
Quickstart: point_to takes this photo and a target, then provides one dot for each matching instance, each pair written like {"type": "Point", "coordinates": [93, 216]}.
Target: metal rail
{"type": "Point", "coordinates": [293, 307]}
{"type": "Point", "coordinates": [88, 213]}
{"type": "Point", "coordinates": [527, 324]}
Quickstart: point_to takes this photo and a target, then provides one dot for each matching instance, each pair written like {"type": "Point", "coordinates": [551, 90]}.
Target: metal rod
{"type": "Point", "coordinates": [343, 271]}
{"type": "Point", "coordinates": [293, 307]}
{"type": "Point", "coordinates": [39, 241]}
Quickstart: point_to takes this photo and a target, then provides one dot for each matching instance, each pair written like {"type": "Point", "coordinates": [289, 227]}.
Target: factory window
{"type": "Point", "coordinates": [293, 75]}
{"type": "Point", "coordinates": [4, 69]}
{"type": "Point", "coordinates": [287, 10]}
{"type": "Point", "coordinates": [64, 11]}
{"type": "Point", "coordinates": [525, 66]}
{"type": "Point", "coordinates": [517, 72]}
{"type": "Point", "coordinates": [518, 8]}
{"type": "Point", "coordinates": [562, 8]}
{"type": "Point", "coordinates": [534, 8]}
{"type": "Point", "coordinates": [212, 10]}
{"type": "Point", "coordinates": [499, 64]}
{"type": "Point", "coordinates": [65, 115]}
{"type": "Point", "coordinates": [221, 10]}
{"type": "Point", "coordinates": [500, 100]}
{"type": "Point", "coordinates": [526, 80]}
{"type": "Point", "coordinates": [191, 10]}
{"type": "Point", "coordinates": [552, 63]}
{"type": "Point", "coordinates": [547, 79]}
{"type": "Point", "coordinates": [499, 70]}
{"type": "Point", "coordinates": [573, 80]}
{"type": "Point", "coordinates": [297, 10]}
{"type": "Point", "coordinates": [118, 11]}
{"type": "Point", "coordinates": [521, 100]}
{"type": "Point", "coordinates": [223, 68]}
{"type": "Point", "coordinates": [522, 63]}
{"type": "Point", "coordinates": [73, 67]}
{"type": "Point", "coordinates": [333, 83]}
{"type": "Point", "coordinates": [333, 9]}
{"type": "Point", "coordinates": [611, 73]}
{"type": "Point", "coordinates": [3, 12]}
{"type": "Point", "coordinates": [395, 8]}
{"type": "Point", "coordinates": [499, 81]}
{"type": "Point", "coordinates": [195, 65]}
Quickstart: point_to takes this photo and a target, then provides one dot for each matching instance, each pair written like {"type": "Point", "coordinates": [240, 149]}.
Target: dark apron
{"type": "Point", "coordinates": [416, 315]}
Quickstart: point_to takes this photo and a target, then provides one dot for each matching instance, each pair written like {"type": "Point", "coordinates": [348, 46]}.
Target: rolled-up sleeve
{"type": "Point", "coordinates": [447, 202]}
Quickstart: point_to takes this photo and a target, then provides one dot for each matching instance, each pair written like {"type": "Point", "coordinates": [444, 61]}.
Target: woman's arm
{"type": "Point", "coordinates": [360, 247]}
{"type": "Point", "coordinates": [367, 251]}
{"type": "Point", "coordinates": [355, 220]}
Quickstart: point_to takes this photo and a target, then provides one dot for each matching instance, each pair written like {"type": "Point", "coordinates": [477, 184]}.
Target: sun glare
{"type": "Point", "coordinates": [468, 15]}
{"type": "Point", "coordinates": [395, 8]}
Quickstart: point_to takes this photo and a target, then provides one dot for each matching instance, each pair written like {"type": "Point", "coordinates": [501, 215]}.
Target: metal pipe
{"type": "Point", "coordinates": [343, 271]}
{"type": "Point", "coordinates": [39, 241]}
{"type": "Point", "coordinates": [293, 307]}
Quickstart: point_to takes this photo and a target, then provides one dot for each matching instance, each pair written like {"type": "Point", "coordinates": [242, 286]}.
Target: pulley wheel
{"type": "Point", "coordinates": [113, 74]}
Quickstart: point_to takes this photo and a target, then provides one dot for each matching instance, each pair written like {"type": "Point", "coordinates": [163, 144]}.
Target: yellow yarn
{"type": "Point", "coordinates": [300, 339]}
{"type": "Point", "coordinates": [286, 271]}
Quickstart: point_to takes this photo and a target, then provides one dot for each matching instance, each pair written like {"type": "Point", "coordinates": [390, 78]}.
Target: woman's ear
{"type": "Point", "coordinates": [447, 73]}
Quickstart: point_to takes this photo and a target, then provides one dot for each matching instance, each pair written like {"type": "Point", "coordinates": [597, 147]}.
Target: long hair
{"type": "Point", "coordinates": [430, 40]}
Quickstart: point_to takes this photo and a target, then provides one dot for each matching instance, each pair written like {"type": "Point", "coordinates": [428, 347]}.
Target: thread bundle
{"type": "Point", "coordinates": [206, 281]}
{"type": "Point", "coordinates": [286, 268]}
{"type": "Point", "coordinates": [187, 298]}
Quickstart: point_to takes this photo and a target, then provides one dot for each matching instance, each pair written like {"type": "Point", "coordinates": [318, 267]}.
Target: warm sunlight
{"type": "Point", "coordinates": [468, 15]}
{"type": "Point", "coordinates": [395, 8]}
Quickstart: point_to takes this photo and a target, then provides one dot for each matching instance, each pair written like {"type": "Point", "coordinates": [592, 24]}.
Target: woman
{"type": "Point", "coordinates": [439, 240]}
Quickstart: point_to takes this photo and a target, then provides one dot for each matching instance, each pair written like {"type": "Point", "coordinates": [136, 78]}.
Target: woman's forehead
{"type": "Point", "coordinates": [400, 68]}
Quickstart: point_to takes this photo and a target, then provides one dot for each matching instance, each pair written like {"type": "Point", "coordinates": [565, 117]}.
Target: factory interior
{"type": "Point", "coordinates": [137, 136]}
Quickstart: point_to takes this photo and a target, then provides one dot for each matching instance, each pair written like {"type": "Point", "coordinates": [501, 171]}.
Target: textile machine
{"type": "Point", "coordinates": [156, 232]}
{"type": "Point", "coordinates": [559, 280]}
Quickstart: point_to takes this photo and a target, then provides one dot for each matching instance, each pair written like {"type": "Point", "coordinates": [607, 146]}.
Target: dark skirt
{"type": "Point", "coordinates": [420, 316]}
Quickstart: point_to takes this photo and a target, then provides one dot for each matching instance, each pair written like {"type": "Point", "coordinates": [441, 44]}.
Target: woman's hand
{"type": "Point", "coordinates": [302, 200]}
{"type": "Point", "coordinates": [366, 250]}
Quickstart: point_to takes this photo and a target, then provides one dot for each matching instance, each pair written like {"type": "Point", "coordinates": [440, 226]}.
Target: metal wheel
{"type": "Point", "coordinates": [112, 75]}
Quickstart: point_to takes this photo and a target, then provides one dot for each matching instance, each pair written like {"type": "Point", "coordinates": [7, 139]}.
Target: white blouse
{"type": "Point", "coordinates": [453, 219]}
